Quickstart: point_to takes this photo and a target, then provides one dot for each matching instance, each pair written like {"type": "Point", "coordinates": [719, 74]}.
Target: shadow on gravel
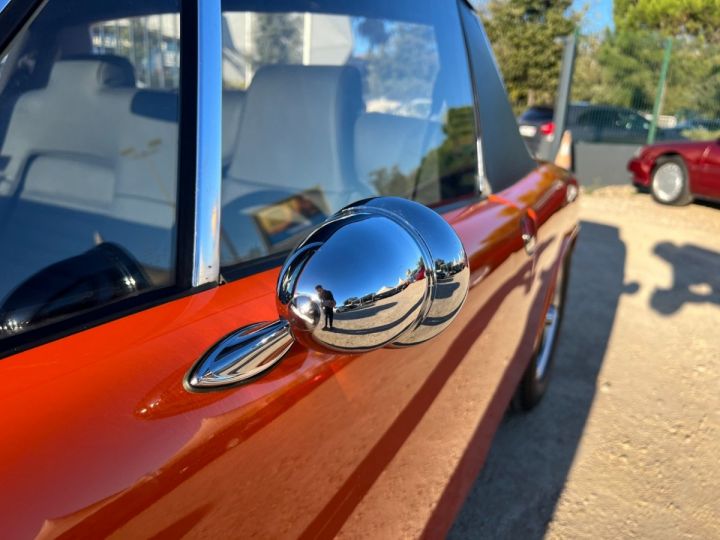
{"type": "Point", "coordinates": [516, 493]}
{"type": "Point", "coordinates": [708, 204]}
{"type": "Point", "coordinates": [695, 277]}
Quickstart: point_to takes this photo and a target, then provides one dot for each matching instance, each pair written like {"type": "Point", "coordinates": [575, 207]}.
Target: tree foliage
{"type": "Point", "coordinates": [622, 67]}
{"type": "Point", "coordinates": [277, 39]}
{"type": "Point", "coordinates": [699, 18]}
{"type": "Point", "coordinates": [525, 35]}
{"type": "Point", "coordinates": [402, 62]}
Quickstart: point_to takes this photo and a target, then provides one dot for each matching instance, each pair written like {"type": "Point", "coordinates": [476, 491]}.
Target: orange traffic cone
{"type": "Point", "coordinates": [564, 157]}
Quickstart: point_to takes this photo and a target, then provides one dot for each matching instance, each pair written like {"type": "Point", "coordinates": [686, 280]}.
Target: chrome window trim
{"type": "Point", "coordinates": [3, 5]}
{"type": "Point", "coordinates": [206, 242]}
{"type": "Point", "coordinates": [484, 187]}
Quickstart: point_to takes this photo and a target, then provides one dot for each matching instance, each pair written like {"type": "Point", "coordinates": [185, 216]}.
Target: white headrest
{"type": "Point", "coordinates": [92, 72]}
{"type": "Point", "coordinates": [297, 126]}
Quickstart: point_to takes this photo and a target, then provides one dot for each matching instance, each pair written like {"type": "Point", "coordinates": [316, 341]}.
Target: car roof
{"type": "Point", "coordinates": [539, 112]}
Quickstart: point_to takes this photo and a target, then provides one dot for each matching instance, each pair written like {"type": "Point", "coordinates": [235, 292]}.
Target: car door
{"type": "Point", "coordinates": [614, 127]}
{"type": "Point", "coordinates": [637, 127]}
{"type": "Point", "coordinates": [104, 435]}
{"type": "Point", "coordinates": [706, 182]}
{"type": "Point", "coordinates": [592, 125]}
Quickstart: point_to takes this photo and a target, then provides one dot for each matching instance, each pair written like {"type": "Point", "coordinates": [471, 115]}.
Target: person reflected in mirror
{"type": "Point", "coordinates": [327, 302]}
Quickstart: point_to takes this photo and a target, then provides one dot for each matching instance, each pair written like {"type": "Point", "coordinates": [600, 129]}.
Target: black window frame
{"type": "Point", "coordinates": [16, 16]}
{"type": "Point", "coordinates": [495, 118]}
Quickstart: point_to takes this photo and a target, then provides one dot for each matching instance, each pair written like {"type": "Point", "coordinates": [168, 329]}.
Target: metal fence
{"type": "Point", "coordinates": [640, 87]}
{"type": "Point", "coordinates": [635, 88]}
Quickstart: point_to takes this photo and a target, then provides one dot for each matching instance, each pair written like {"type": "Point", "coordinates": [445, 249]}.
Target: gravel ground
{"type": "Point", "coordinates": [627, 442]}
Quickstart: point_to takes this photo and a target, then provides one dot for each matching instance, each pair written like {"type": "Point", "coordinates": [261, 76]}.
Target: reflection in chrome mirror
{"type": "Point", "coordinates": [385, 271]}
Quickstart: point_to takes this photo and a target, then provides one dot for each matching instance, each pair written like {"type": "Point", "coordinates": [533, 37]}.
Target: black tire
{"type": "Point", "coordinates": [664, 187]}
{"type": "Point", "coordinates": [536, 379]}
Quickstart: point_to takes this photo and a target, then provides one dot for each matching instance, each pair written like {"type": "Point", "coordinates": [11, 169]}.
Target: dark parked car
{"type": "Point", "coordinates": [591, 123]}
{"type": "Point", "coordinates": [535, 125]}
{"type": "Point", "coordinates": [595, 123]}
{"type": "Point", "coordinates": [188, 191]}
{"type": "Point", "coordinates": [708, 124]}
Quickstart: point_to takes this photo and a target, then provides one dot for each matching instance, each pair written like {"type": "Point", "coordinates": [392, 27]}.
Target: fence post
{"type": "Point", "coordinates": [660, 91]}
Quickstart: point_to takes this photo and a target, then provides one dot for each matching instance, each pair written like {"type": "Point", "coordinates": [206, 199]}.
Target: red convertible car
{"type": "Point", "coordinates": [676, 172]}
{"type": "Point", "coordinates": [248, 287]}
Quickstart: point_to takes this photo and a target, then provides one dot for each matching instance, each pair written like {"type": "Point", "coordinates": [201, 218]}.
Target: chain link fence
{"type": "Point", "coordinates": [633, 88]}
{"type": "Point", "coordinates": [639, 87]}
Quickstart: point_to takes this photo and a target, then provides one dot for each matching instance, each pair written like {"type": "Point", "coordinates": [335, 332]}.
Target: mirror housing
{"type": "Point", "coordinates": [381, 272]}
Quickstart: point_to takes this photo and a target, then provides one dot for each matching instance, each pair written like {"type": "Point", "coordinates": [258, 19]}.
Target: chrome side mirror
{"type": "Point", "coordinates": [382, 272]}
{"type": "Point", "coordinates": [385, 271]}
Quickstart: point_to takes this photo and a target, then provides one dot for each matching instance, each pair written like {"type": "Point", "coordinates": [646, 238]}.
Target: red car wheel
{"type": "Point", "coordinates": [669, 181]}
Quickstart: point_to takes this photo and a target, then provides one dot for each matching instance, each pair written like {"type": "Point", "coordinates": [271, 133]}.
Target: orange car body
{"type": "Point", "coordinates": [102, 439]}
{"type": "Point", "coordinates": [103, 434]}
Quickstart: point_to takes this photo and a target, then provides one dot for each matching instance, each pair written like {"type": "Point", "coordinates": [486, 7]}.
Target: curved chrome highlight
{"type": "Point", "coordinates": [571, 193]}
{"type": "Point", "coordinates": [530, 242]}
{"type": "Point", "coordinates": [382, 272]}
{"type": "Point", "coordinates": [548, 339]}
{"type": "Point", "coordinates": [385, 271]}
{"type": "Point", "coordinates": [550, 331]}
{"type": "Point", "coordinates": [206, 249]}
{"type": "Point", "coordinates": [449, 270]}
{"type": "Point", "coordinates": [528, 231]}
{"type": "Point", "coordinates": [358, 285]}
{"type": "Point", "coordinates": [243, 354]}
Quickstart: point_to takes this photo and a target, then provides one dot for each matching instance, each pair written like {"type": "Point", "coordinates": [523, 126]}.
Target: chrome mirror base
{"type": "Point", "coordinates": [382, 272]}
{"type": "Point", "coordinates": [242, 355]}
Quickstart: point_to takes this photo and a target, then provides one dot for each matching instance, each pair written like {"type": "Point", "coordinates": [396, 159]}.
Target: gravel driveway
{"type": "Point", "coordinates": [627, 442]}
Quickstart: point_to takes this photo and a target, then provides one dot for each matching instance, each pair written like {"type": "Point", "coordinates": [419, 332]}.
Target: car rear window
{"type": "Point", "coordinates": [537, 114]}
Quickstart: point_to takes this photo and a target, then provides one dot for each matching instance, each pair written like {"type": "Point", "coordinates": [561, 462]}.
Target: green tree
{"type": "Point", "coordinates": [277, 38]}
{"type": "Point", "coordinates": [525, 35]}
{"type": "Point", "coordinates": [588, 81]}
{"type": "Point", "coordinates": [446, 171]}
{"type": "Point", "coordinates": [631, 62]}
{"type": "Point", "coordinates": [622, 67]}
{"type": "Point", "coordinates": [374, 31]}
{"type": "Point", "coordinates": [693, 87]}
{"type": "Point", "coordinates": [700, 18]}
{"type": "Point", "coordinates": [405, 65]}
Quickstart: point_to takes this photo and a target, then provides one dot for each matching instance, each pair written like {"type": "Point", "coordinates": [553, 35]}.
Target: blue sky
{"type": "Point", "coordinates": [598, 16]}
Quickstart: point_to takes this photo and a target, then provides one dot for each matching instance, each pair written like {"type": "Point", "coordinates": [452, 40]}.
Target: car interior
{"type": "Point", "coordinates": [88, 153]}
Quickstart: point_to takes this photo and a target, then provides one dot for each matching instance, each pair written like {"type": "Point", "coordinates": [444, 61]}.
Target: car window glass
{"type": "Point", "coordinates": [88, 158]}
{"type": "Point", "coordinates": [325, 104]}
{"type": "Point", "coordinates": [598, 118]}
{"type": "Point", "coordinates": [150, 43]}
{"type": "Point", "coordinates": [583, 119]}
{"type": "Point", "coordinates": [632, 121]}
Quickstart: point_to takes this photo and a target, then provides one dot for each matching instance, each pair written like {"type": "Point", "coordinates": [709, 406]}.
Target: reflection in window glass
{"type": "Point", "coordinates": [321, 109]}
{"type": "Point", "coordinates": [151, 44]}
{"type": "Point", "coordinates": [88, 158]}
{"type": "Point", "coordinates": [3, 61]}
